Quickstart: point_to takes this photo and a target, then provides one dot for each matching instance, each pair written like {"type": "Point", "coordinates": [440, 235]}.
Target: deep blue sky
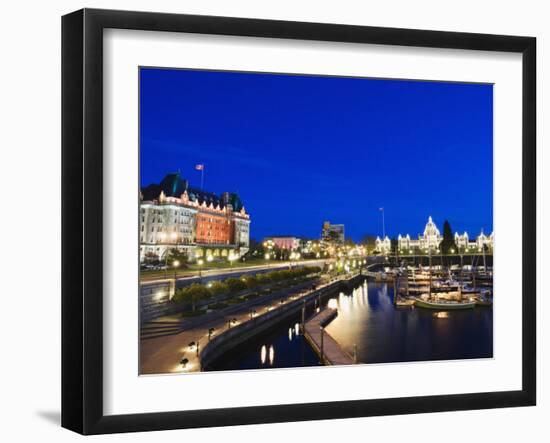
{"type": "Point", "coordinates": [301, 149]}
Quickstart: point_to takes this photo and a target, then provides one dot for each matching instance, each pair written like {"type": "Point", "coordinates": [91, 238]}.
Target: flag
{"type": "Point", "coordinates": [199, 167]}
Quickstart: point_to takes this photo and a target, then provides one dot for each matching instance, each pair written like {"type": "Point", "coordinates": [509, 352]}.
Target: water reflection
{"type": "Point", "coordinates": [263, 354]}
{"type": "Point", "coordinates": [281, 347]}
{"type": "Point", "coordinates": [382, 332]}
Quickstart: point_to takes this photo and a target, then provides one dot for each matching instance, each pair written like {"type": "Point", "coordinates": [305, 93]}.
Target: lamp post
{"type": "Point", "coordinates": [176, 263]}
{"type": "Point", "coordinates": [322, 339]}
{"type": "Point", "coordinates": [161, 238]}
{"type": "Point", "coordinates": [200, 262]}
{"type": "Point", "coordinates": [232, 257]}
{"type": "Point", "coordinates": [383, 224]}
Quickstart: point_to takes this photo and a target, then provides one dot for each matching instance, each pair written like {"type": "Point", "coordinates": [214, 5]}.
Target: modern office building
{"type": "Point", "coordinates": [333, 234]}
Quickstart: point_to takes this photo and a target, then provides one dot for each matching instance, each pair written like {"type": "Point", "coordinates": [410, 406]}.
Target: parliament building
{"type": "Point", "coordinates": [431, 238]}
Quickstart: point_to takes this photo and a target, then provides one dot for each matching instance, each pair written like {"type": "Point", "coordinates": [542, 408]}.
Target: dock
{"type": "Point", "coordinates": [328, 349]}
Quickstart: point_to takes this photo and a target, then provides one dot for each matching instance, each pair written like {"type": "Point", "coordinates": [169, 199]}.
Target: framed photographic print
{"type": "Point", "coordinates": [270, 221]}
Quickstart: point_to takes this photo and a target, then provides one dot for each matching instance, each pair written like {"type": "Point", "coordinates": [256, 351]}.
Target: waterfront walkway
{"type": "Point", "coordinates": [163, 354]}
{"type": "Point", "coordinates": [331, 353]}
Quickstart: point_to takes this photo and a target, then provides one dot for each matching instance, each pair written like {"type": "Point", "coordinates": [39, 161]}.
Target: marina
{"type": "Point", "coordinates": [370, 323]}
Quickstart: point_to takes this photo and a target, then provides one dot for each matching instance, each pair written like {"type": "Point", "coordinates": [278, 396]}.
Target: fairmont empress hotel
{"type": "Point", "coordinates": [201, 224]}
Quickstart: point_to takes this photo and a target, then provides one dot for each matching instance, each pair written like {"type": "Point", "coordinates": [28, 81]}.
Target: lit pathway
{"type": "Point", "coordinates": [163, 354]}
{"type": "Point", "coordinates": [333, 354]}
{"type": "Point", "coordinates": [237, 270]}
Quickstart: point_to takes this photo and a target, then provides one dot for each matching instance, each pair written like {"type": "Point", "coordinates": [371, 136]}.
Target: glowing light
{"type": "Point", "coordinates": [332, 303]}
{"type": "Point", "coordinates": [263, 354]}
{"type": "Point", "coordinates": [441, 315]}
{"type": "Point", "coordinates": [209, 258]}
{"type": "Point", "coordinates": [176, 263]}
{"type": "Point", "coordinates": [271, 355]}
{"type": "Point", "coordinates": [200, 262]}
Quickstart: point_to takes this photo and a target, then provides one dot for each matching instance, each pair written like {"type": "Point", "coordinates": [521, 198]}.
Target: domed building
{"type": "Point", "coordinates": [431, 239]}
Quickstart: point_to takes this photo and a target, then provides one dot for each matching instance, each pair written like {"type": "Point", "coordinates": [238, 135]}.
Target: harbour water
{"type": "Point", "coordinates": [281, 347]}
{"type": "Point", "coordinates": [381, 332]}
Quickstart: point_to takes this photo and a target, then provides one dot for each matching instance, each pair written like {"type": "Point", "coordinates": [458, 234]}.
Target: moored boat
{"type": "Point", "coordinates": [443, 304]}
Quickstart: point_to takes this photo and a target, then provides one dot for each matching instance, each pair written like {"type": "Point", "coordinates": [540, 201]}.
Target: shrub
{"type": "Point", "coordinates": [235, 284]}
{"type": "Point", "coordinates": [217, 306]}
{"type": "Point", "coordinates": [264, 278]}
{"type": "Point", "coordinates": [251, 282]}
{"type": "Point", "coordinates": [192, 294]}
{"type": "Point", "coordinates": [219, 287]}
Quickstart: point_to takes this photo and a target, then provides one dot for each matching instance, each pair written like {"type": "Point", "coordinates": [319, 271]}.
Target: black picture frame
{"type": "Point", "coordinates": [82, 231]}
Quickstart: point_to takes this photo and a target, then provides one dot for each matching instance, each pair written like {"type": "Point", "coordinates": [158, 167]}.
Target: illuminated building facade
{"type": "Point", "coordinates": [284, 242]}
{"type": "Point", "coordinates": [431, 239]}
{"type": "Point", "coordinates": [333, 234]}
{"type": "Point", "coordinates": [201, 224]}
{"type": "Point", "coordinates": [383, 246]}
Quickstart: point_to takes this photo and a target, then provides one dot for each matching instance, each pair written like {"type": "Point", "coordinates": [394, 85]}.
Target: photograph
{"type": "Point", "coordinates": [289, 220]}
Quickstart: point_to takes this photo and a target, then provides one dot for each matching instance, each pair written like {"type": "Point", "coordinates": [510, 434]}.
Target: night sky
{"type": "Point", "coordinates": [302, 149]}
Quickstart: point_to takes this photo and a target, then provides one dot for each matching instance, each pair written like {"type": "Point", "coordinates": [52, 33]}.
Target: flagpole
{"type": "Point", "coordinates": [383, 224]}
{"type": "Point", "coordinates": [202, 178]}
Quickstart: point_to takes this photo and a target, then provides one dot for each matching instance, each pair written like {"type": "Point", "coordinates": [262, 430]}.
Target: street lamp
{"type": "Point", "coordinates": [176, 263]}
{"type": "Point", "coordinates": [200, 262]}
{"type": "Point", "coordinates": [322, 339]}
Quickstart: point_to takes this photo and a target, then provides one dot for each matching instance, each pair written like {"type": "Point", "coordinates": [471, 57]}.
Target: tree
{"type": "Point", "coordinates": [219, 287]}
{"type": "Point", "coordinates": [235, 284]}
{"type": "Point", "coordinates": [448, 241]}
{"type": "Point", "coordinates": [175, 254]}
{"type": "Point", "coordinates": [192, 294]}
{"type": "Point", "coordinates": [151, 257]}
{"type": "Point", "coordinates": [251, 282]}
{"type": "Point", "coordinates": [369, 241]}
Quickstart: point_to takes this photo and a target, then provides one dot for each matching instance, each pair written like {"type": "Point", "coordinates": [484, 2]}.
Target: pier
{"type": "Point", "coordinates": [329, 351]}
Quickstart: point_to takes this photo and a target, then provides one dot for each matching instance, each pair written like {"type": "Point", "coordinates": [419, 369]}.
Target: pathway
{"type": "Point", "coordinates": [163, 354]}
{"type": "Point", "coordinates": [332, 353]}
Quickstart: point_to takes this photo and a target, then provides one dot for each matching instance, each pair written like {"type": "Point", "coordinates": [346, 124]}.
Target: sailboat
{"type": "Point", "coordinates": [444, 300]}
